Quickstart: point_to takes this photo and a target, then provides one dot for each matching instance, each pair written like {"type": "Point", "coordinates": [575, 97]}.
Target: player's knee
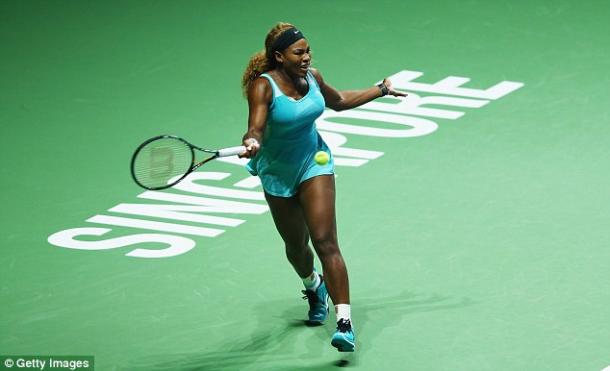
{"type": "Point", "coordinates": [326, 246]}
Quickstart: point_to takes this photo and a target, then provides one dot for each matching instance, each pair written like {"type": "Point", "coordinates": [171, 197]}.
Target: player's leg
{"type": "Point", "coordinates": [290, 223]}
{"type": "Point", "coordinates": [317, 197]}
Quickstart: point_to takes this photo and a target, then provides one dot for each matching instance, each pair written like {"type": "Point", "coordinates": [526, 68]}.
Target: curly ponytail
{"type": "Point", "coordinates": [264, 60]}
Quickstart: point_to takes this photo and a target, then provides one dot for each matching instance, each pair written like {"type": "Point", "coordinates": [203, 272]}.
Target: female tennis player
{"type": "Point", "coordinates": [285, 96]}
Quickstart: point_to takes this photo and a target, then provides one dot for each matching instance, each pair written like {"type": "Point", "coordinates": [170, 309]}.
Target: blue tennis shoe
{"type": "Point", "coordinates": [318, 303]}
{"type": "Point", "coordinates": [344, 339]}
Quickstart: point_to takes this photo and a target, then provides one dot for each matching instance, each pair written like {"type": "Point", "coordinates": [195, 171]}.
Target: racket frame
{"type": "Point", "coordinates": [194, 166]}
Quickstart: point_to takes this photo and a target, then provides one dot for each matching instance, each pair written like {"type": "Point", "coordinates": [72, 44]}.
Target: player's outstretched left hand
{"type": "Point", "coordinates": [391, 90]}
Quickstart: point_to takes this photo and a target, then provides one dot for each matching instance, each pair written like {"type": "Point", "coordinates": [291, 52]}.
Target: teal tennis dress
{"type": "Point", "coordinates": [286, 157]}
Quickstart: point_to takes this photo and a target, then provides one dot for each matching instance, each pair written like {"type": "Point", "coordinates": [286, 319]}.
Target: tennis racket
{"type": "Point", "coordinates": [163, 161]}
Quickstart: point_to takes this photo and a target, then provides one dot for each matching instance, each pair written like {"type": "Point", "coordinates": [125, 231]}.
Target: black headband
{"type": "Point", "coordinates": [287, 38]}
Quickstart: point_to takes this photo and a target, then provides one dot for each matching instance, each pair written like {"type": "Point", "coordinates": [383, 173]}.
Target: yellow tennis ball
{"type": "Point", "coordinates": [321, 158]}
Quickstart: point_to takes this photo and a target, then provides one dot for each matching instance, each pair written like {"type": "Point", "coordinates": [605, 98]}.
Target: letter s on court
{"type": "Point", "coordinates": [176, 244]}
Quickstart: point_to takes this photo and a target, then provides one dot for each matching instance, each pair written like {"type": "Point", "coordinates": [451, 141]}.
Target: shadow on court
{"type": "Point", "coordinates": [277, 342]}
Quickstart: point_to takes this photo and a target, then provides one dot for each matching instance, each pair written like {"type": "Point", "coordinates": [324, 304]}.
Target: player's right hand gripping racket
{"type": "Point", "coordinates": [163, 161]}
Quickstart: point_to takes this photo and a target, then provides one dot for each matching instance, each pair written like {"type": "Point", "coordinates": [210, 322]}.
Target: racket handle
{"type": "Point", "coordinates": [231, 151]}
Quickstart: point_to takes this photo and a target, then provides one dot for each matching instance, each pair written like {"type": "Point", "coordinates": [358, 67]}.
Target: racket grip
{"type": "Point", "coordinates": [231, 151]}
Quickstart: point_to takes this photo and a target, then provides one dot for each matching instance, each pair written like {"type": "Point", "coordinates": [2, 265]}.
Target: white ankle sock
{"type": "Point", "coordinates": [343, 311]}
{"type": "Point", "coordinates": [312, 281]}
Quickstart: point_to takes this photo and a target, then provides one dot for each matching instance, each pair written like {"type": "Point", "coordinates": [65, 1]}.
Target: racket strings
{"type": "Point", "coordinates": [159, 162]}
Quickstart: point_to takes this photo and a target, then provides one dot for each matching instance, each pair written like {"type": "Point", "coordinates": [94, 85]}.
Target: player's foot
{"type": "Point", "coordinates": [318, 303]}
{"type": "Point", "coordinates": [344, 339]}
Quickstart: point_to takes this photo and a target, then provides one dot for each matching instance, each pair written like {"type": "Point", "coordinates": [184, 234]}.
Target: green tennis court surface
{"type": "Point", "coordinates": [474, 220]}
